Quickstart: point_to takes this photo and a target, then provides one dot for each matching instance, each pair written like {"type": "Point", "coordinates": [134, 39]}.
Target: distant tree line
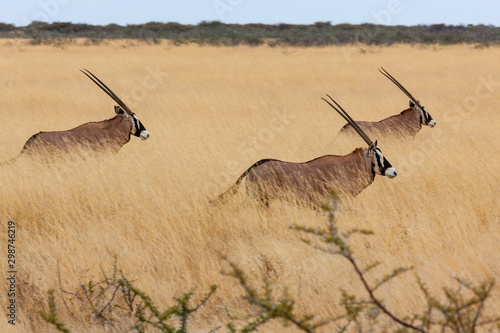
{"type": "Point", "coordinates": [217, 33]}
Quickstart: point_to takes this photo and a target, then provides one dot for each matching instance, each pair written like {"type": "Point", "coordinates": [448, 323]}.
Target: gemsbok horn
{"type": "Point", "coordinates": [110, 134]}
{"type": "Point", "coordinates": [313, 182]}
{"type": "Point", "coordinates": [406, 124]}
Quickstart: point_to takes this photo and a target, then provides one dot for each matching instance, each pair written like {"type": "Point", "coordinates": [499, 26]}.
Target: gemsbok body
{"type": "Point", "coordinates": [313, 182]}
{"type": "Point", "coordinates": [110, 134]}
{"type": "Point", "coordinates": [404, 125]}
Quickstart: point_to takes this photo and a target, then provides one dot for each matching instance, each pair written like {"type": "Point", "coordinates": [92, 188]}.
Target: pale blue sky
{"type": "Point", "coordinates": [389, 12]}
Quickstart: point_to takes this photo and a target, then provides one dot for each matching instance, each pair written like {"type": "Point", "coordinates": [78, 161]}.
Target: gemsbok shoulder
{"type": "Point", "coordinates": [312, 183]}
{"type": "Point", "coordinates": [406, 124]}
{"type": "Point", "coordinates": [110, 134]}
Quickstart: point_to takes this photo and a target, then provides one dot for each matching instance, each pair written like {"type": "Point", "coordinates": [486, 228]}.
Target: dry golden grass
{"type": "Point", "coordinates": [212, 113]}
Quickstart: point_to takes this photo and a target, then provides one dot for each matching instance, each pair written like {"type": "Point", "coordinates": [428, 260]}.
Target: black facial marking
{"type": "Point", "coordinates": [141, 127]}
{"type": "Point", "coordinates": [382, 163]}
{"type": "Point", "coordinates": [379, 163]}
{"type": "Point", "coordinates": [428, 117]}
{"type": "Point", "coordinates": [138, 126]}
{"type": "Point", "coordinates": [387, 165]}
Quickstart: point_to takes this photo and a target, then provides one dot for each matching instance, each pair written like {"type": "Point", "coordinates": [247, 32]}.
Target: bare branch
{"type": "Point", "coordinates": [395, 273]}
{"type": "Point", "coordinates": [487, 291]}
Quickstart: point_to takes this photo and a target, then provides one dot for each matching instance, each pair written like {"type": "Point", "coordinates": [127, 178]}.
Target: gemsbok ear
{"type": "Point", "coordinates": [412, 104]}
{"type": "Point", "coordinates": [119, 110]}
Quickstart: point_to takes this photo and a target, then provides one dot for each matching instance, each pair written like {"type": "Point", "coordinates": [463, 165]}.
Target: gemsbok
{"type": "Point", "coordinates": [406, 124]}
{"type": "Point", "coordinates": [312, 183]}
{"type": "Point", "coordinates": [110, 134]}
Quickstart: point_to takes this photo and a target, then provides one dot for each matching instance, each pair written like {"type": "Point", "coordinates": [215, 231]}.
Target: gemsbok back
{"type": "Point", "coordinates": [406, 124]}
{"type": "Point", "coordinates": [312, 183]}
{"type": "Point", "coordinates": [110, 134]}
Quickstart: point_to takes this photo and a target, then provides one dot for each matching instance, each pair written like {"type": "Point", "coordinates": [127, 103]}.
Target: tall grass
{"type": "Point", "coordinates": [213, 113]}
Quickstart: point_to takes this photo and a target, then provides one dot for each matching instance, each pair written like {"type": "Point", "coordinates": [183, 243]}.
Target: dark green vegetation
{"type": "Point", "coordinates": [217, 33]}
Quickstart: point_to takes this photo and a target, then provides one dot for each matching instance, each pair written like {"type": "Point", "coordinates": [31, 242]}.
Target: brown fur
{"type": "Point", "coordinates": [406, 124]}
{"type": "Point", "coordinates": [109, 134]}
{"type": "Point", "coordinates": [310, 183]}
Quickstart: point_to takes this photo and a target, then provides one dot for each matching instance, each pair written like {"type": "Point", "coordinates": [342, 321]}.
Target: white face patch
{"type": "Point", "coordinates": [390, 172]}
{"type": "Point", "coordinates": [144, 135]}
{"type": "Point", "coordinates": [432, 123]}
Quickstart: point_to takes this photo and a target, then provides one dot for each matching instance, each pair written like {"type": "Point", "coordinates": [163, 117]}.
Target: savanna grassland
{"type": "Point", "coordinates": [211, 113]}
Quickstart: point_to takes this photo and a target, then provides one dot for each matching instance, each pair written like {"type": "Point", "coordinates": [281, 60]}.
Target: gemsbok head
{"type": "Point", "coordinates": [406, 124]}
{"type": "Point", "coordinates": [312, 183]}
{"type": "Point", "coordinates": [110, 134]}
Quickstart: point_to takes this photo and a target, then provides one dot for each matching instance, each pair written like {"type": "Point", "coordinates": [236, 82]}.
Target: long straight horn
{"type": "Point", "coordinates": [399, 85]}
{"type": "Point", "coordinates": [353, 123]}
{"type": "Point", "coordinates": [106, 89]}
{"type": "Point", "coordinates": [348, 118]}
